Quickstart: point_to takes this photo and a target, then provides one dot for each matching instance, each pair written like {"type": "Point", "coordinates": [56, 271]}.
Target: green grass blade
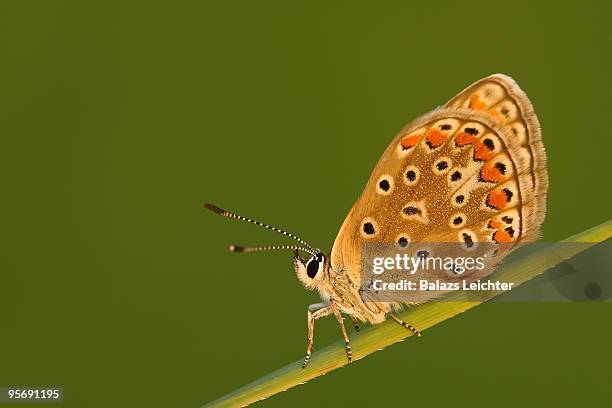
{"type": "Point", "coordinates": [424, 316]}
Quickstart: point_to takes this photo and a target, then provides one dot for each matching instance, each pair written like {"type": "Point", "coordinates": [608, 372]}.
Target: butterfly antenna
{"type": "Point", "coordinates": [237, 248]}
{"type": "Point", "coordinates": [228, 214]}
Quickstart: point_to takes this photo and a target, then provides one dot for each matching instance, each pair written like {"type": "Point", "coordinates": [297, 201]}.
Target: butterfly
{"type": "Point", "coordinates": [472, 171]}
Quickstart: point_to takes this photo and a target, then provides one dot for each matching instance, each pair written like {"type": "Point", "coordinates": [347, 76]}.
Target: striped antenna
{"type": "Point", "coordinates": [228, 214]}
{"type": "Point", "coordinates": [237, 248]}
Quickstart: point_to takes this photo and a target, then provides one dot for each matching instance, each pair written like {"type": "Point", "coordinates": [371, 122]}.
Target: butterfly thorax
{"type": "Point", "coordinates": [347, 294]}
{"type": "Point", "coordinates": [337, 285]}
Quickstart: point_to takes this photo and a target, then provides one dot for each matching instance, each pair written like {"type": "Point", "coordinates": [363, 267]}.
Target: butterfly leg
{"type": "Point", "coordinates": [347, 344]}
{"type": "Point", "coordinates": [406, 325]}
{"type": "Point", "coordinates": [315, 311]}
{"type": "Point", "coordinates": [355, 323]}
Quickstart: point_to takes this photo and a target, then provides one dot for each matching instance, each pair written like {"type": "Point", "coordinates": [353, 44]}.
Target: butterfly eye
{"type": "Point", "coordinates": [313, 265]}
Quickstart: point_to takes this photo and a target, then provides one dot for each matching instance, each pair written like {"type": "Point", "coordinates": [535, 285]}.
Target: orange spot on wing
{"type": "Point", "coordinates": [482, 152]}
{"type": "Point", "coordinates": [435, 138]}
{"type": "Point", "coordinates": [495, 224]}
{"type": "Point", "coordinates": [502, 236]}
{"type": "Point", "coordinates": [476, 103]}
{"type": "Point", "coordinates": [410, 141]}
{"type": "Point", "coordinates": [498, 116]}
{"type": "Point", "coordinates": [464, 138]}
{"type": "Point", "coordinates": [497, 199]}
{"type": "Point", "coordinates": [490, 173]}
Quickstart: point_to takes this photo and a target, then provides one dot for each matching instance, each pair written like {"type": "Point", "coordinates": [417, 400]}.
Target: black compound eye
{"type": "Point", "coordinates": [312, 266]}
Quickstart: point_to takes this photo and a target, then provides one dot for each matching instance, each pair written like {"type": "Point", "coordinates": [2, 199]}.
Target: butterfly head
{"type": "Point", "coordinates": [312, 270]}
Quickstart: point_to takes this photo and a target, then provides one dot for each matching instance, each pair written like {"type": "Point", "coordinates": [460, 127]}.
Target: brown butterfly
{"type": "Point", "coordinates": [470, 172]}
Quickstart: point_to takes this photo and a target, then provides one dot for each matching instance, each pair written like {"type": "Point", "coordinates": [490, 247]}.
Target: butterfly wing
{"type": "Point", "coordinates": [500, 96]}
{"type": "Point", "coordinates": [472, 171]}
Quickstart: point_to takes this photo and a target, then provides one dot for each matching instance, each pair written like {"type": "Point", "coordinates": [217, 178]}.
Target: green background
{"type": "Point", "coordinates": [119, 119]}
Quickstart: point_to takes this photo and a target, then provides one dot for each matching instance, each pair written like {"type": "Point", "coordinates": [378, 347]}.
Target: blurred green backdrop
{"type": "Point", "coordinates": [119, 119]}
